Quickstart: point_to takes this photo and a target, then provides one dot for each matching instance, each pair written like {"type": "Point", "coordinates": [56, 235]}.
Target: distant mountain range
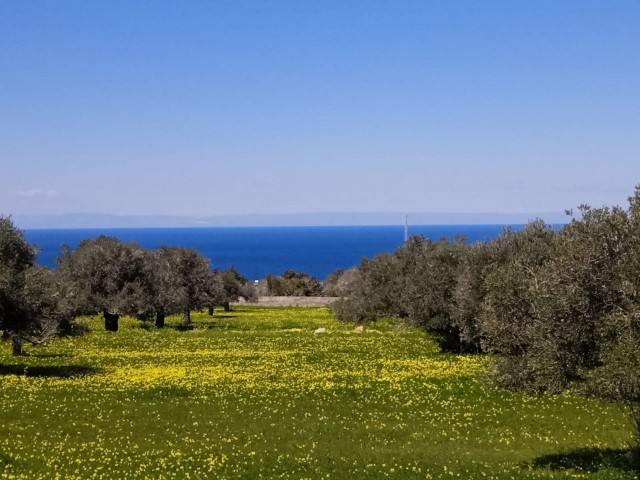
{"type": "Point", "coordinates": [90, 220]}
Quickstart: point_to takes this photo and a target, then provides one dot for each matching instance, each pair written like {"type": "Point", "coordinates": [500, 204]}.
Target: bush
{"type": "Point", "coordinates": [339, 283]}
{"type": "Point", "coordinates": [77, 328]}
{"type": "Point", "coordinates": [293, 283]}
{"type": "Point", "coordinates": [353, 310]}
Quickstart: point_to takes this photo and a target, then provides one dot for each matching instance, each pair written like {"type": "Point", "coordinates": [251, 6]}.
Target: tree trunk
{"type": "Point", "coordinates": [16, 344]}
{"type": "Point", "coordinates": [227, 306]}
{"type": "Point", "coordinates": [159, 319]}
{"type": "Point", "coordinates": [186, 318]}
{"type": "Point", "coordinates": [211, 311]}
{"type": "Point", "coordinates": [111, 321]}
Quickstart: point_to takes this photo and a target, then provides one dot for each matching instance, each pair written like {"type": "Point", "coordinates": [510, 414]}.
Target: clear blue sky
{"type": "Point", "coordinates": [226, 107]}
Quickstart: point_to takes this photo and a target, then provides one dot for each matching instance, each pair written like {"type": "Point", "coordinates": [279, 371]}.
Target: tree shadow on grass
{"type": "Point", "coordinates": [201, 326]}
{"type": "Point", "coordinates": [591, 460]}
{"type": "Point", "coordinates": [50, 355]}
{"type": "Point", "coordinates": [5, 460]}
{"type": "Point", "coordinates": [147, 326]}
{"type": "Point", "coordinates": [218, 326]}
{"type": "Point", "coordinates": [56, 371]}
{"type": "Point", "coordinates": [181, 328]}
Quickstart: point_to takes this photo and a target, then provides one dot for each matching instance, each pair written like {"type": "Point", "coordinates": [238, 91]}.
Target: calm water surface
{"type": "Point", "coordinates": [258, 251]}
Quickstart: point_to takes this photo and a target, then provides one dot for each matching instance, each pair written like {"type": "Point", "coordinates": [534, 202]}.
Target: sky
{"type": "Point", "coordinates": [269, 107]}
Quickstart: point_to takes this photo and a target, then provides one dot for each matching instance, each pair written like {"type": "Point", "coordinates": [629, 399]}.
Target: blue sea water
{"type": "Point", "coordinates": [258, 251]}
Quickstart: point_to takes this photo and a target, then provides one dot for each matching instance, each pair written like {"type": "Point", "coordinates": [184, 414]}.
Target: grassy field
{"type": "Point", "coordinates": [255, 394]}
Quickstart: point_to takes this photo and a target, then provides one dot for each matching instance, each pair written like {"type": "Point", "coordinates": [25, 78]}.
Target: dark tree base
{"type": "Point", "coordinates": [160, 320]}
{"type": "Point", "coordinates": [186, 318]}
{"type": "Point", "coordinates": [111, 321]}
{"type": "Point", "coordinates": [211, 311]}
{"type": "Point", "coordinates": [16, 344]}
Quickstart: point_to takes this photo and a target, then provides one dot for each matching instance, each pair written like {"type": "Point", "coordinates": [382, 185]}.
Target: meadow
{"type": "Point", "coordinates": [254, 393]}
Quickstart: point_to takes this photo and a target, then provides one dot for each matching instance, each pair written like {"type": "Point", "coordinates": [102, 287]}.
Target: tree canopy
{"type": "Point", "coordinates": [560, 307]}
{"type": "Point", "coordinates": [31, 304]}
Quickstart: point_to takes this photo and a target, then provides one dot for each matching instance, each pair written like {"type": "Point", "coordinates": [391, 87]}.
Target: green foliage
{"type": "Point", "coordinates": [292, 283]}
{"type": "Point", "coordinates": [235, 286]}
{"type": "Point", "coordinates": [356, 309]}
{"type": "Point", "coordinates": [553, 314]}
{"type": "Point", "coordinates": [416, 282]}
{"type": "Point", "coordinates": [470, 290]}
{"type": "Point", "coordinates": [188, 283]}
{"type": "Point", "coordinates": [339, 283]}
{"type": "Point", "coordinates": [106, 275]}
{"type": "Point", "coordinates": [506, 311]}
{"type": "Point", "coordinates": [562, 309]}
{"type": "Point", "coordinates": [374, 292]}
{"type": "Point", "coordinates": [49, 310]}
{"type": "Point", "coordinates": [31, 303]}
{"type": "Point", "coordinates": [430, 271]}
{"type": "Point", "coordinates": [16, 259]}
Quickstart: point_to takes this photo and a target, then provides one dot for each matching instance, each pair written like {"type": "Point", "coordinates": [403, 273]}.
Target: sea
{"type": "Point", "coordinates": [258, 251]}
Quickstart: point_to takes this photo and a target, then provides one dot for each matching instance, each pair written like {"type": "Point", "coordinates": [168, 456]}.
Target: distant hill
{"type": "Point", "coordinates": [90, 220]}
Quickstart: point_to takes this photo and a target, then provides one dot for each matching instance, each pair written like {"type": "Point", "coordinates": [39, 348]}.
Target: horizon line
{"type": "Point", "coordinates": [344, 219]}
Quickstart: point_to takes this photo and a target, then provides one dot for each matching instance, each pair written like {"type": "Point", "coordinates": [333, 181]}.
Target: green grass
{"type": "Point", "coordinates": [255, 394]}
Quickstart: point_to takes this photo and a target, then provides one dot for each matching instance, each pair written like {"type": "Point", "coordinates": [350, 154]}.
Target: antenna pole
{"type": "Point", "coordinates": [406, 228]}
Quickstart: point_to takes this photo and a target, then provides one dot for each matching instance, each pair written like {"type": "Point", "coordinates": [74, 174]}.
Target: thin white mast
{"type": "Point", "coordinates": [406, 228]}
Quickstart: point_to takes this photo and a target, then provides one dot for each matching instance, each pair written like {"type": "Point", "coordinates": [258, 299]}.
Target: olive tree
{"type": "Point", "coordinates": [234, 286]}
{"type": "Point", "coordinates": [186, 283]}
{"type": "Point", "coordinates": [430, 271]}
{"type": "Point", "coordinates": [506, 311]}
{"type": "Point", "coordinates": [374, 291]}
{"type": "Point", "coordinates": [292, 283]}
{"type": "Point", "coordinates": [616, 372]}
{"type": "Point", "coordinates": [31, 306]}
{"type": "Point", "coordinates": [105, 275]}
{"type": "Point", "coordinates": [339, 283]}
{"type": "Point", "coordinates": [16, 258]}
{"type": "Point", "coordinates": [551, 328]}
{"type": "Point", "coordinates": [469, 293]}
